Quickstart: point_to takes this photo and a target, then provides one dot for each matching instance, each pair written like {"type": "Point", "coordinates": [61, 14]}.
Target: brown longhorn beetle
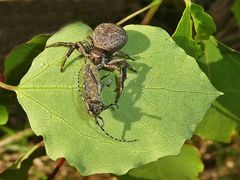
{"type": "Point", "coordinates": [92, 96]}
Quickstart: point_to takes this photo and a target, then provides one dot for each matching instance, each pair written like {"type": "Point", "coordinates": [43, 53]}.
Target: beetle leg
{"type": "Point", "coordinates": [110, 105]}
{"type": "Point", "coordinates": [106, 75]}
{"type": "Point", "coordinates": [108, 84]}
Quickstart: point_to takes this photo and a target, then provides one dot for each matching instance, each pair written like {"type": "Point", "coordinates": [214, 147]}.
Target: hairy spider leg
{"type": "Point", "coordinates": [82, 46]}
{"type": "Point", "coordinates": [120, 82]}
{"type": "Point", "coordinates": [109, 135]}
{"type": "Point", "coordinates": [91, 39]}
{"type": "Point", "coordinates": [121, 54]}
{"type": "Point", "coordinates": [57, 44]}
{"type": "Point", "coordinates": [121, 66]}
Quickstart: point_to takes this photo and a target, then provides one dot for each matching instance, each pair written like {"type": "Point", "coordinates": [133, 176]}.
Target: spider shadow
{"type": "Point", "coordinates": [133, 91]}
{"type": "Point", "coordinates": [128, 112]}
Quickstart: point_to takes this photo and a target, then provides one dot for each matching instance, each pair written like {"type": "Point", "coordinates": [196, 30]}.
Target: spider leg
{"type": "Point", "coordinates": [91, 39]}
{"type": "Point", "coordinates": [121, 54]}
{"type": "Point", "coordinates": [110, 67]}
{"type": "Point", "coordinates": [71, 49]}
{"type": "Point", "coordinates": [122, 62]}
{"type": "Point", "coordinates": [87, 46]}
{"type": "Point", "coordinates": [120, 79]}
{"type": "Point", "coordinates": [130, 67]}
{"type": "Point", "coordinates": [121, 65]}
{"type": "Point", "coordinates": [82, 46]}
{"type": "Point", "coordinates": [65, 44]}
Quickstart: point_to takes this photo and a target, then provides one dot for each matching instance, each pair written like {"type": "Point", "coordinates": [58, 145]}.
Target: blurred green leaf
{"type": "Point", "coordinates": [20, 59]}
{"type": "Point", "coordinates": [187, 165]}
{"type": "Point", "coordinates": [183, 34]}
{"type": "Point", "coordinates": [236, 10]}
{"type": "Point", "coordinates": [222, 66]}
{"type": "Point", "coordinates": [155, 2]}
{"type": "Point", "coordinates": [203, 23]}
{"type": "Point", "coordinates": [204, 26]}
{"type": "Point", "coordinates": [3, 115]}
{"type": "Point", "coordinates": [19, 170]}
{"type": "Point", "coordinates": [216, 125]}
{"type": "Point", "coordinates": [161, 104]}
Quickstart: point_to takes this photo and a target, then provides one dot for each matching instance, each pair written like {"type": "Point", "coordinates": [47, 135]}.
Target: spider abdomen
{"type": "Point", "coordinates": [109, 37]}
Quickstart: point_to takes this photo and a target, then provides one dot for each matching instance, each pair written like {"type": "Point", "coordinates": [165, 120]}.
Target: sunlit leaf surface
{"type": "Point", "coordinates": [160, 106]}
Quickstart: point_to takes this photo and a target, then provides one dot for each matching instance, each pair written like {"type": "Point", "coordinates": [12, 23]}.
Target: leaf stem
{"type": "Point", "coordinates": [56, 169]}
{"type": "Point", "coordinates": [187, 1]}
{"type": "Point", "coordinates": [8, 87]}
{"type": "Point", "coordinates": [147, 19]}
{"type": "Point", "coordinates": [152, 4]}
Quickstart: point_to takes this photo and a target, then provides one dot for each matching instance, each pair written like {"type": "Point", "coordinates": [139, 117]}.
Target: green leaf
{"type": "Point", "coordinates": [19, 60]}
{"type": "Point", "coordinates": [215, 125]}
{"type": "Point", "coordinates": [236, 10]}
{"type": "Point", "coordinates": [160, 106]}
{"type": "Point", "coordinates": [3, 115]}
{"type": "Point", "coordinates": [7, 99]}
{"type": "Point", "coordinates": [222, 65]}
{"type": "Point", "coordinates": [183, 34]}
{"type": "Point", "coordinates": [186, 165]}
{"type": "Point", "coordinates": [19, 170]}
{"type": "Point", "coordinates": [203, 23]}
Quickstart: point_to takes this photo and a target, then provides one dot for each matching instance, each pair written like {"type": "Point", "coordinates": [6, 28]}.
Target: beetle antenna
{"type": "Point", "coordinates": [117, 139]}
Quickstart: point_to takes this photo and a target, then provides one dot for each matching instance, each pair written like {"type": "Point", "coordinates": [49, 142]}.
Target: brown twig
{"type": "Point", "coordinates": [56, 169]}
{"type": "Point", "coordinates": [147, 19]}
{"type": "Point", "coordinates": [152, 4]}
